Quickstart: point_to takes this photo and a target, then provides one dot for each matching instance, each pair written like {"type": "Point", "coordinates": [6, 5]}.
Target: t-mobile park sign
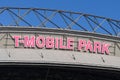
{"type": "Point", "coordinates": [58, 43]}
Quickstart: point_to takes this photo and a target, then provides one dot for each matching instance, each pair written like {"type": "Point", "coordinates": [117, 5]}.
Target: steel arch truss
{"type": "Point", "coordinates": [37, 17]}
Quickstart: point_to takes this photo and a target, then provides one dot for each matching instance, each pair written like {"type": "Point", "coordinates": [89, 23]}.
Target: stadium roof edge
{"type": "Point", "coordinates": [60, 19]}
{"type": "Point", "coordinates": [66, 11]}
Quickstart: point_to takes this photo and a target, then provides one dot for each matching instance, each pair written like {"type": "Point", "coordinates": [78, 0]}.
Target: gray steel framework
{"type": "Point", "coordinates": [49, 18]}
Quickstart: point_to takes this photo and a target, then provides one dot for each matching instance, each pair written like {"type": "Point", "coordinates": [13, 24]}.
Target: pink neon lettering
{"type": "Point", "coordinates": [16, 40]}
{"type": "Point", "coordinates": [97, 47]}
{"type": "Point", "coordinates": [29, 42]}
{"type": "Point", "coordinates": [89, 46]}
{"type": "Point", "coordinates": [70, 43]}
{"type": "Point", "coordinates": [81, 44]}
{"type": "Point", "coordinates": [40, 42]}
{"type": "Point", "coordinates": [105, 48]}
{"type": "Point", "coordinates": [49, 42]}
{"type": "Point", "coordinates": [56, 43]}
{"type": "Point", "coordinates": [21, 41]}
{"type": "Point", "coordinates": [61, 44]}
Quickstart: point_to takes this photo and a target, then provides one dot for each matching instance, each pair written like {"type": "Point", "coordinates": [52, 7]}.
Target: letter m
{"type": "Point", "coordinates": [29, 42]}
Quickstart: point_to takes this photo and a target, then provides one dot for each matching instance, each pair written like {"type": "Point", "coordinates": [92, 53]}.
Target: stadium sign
{"type": "Point", "coordinates": [50, 42]}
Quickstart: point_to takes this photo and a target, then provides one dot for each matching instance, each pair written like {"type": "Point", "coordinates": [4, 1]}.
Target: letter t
{"type": "Point", "coordinates": [16, 38]}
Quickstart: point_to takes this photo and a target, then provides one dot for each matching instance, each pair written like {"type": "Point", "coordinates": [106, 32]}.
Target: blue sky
{"type": "Point", "coordinates": [107, 8]}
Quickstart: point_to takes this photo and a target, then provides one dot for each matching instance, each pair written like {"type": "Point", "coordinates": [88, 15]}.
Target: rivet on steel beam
{"type": "Point", "coordinates": [73, 57]}
{"type": "Point", "coordinates": [103, 59]}
{"type": "Point", "coordinates": [41, 55]}
{"type": "Point", "coordinates": [9, 54]}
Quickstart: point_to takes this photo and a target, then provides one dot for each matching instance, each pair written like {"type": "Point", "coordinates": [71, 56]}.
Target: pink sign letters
{"type": "Point", "coordinates": [58, 43]}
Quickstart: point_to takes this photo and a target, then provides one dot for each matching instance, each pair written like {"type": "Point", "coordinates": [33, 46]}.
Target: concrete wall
{"type": "Point", "coordinates": [8, 52]}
